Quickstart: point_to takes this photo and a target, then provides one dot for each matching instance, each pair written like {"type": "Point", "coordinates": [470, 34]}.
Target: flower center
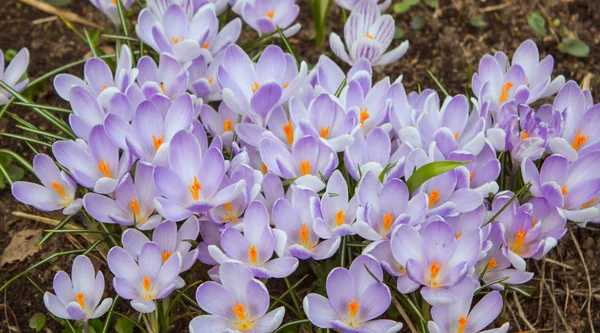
{"type": "Point", "coordinates": [564, 190]}
{"type": "Point", "coordinates": [524, 135]}
{"type": "Point", "coordinates": [229, 216]}
{"type": "Point", "coordinates": [353, 308]}
{"type": "Point", "coordinates": [227, 125]}
{"type": "Point", "coordinates": [289, 132]}
{"type": "Point", "coordinates": [504, 94]}
{"type": "Point", "coordinates": [579, 140]}
{"type": "Point", "coordinates": [519, 240]}
{"type": "Point", "coordinates": [176, 40]}
{"type": "Point", "coordinates": [195, 189]}
{"type": "Point", "coordinates": [205, 45]}
{"type": "Point", "coordinates": [305, 167]}
{"type": "Point", "coordinates": [135, 206]}
{"type": "Point", "coordinates": [303, 234]}
{"type": "Point", "coordinates": [462, 323]}
{"type": "Point", "coordinates": [325, 132]}
{"type": "Point", "coordinates": [252, 253]}
{"type": "Point", "coordinates": [147, 284]}
{"type": "Point", "coordinates": [369, 36]}
{"type": "Point", "coordinates": [339, 218]}
{"type": "Point", "coordinates": [80, 299]}
{"type": "Point", "coordinates": [264, 168]}
{"type": "Point", "coordinates": [158, 142]}
{"type": "Point", "coordinates": [270, 14]}
{"type": "Point", "coordinates": [434, 196]}
{"type": "Point", "coordinates": [434, 270]}
{"type": "Point", "coordinates": [255, 87]}
{"type": "Point", "coordinates": [388, 219]}
{"type": "Point", "coordinates": [162, 88]}
{"type": "Point", "coordinates": [364, 115]}
{"type": "Point", "coordinates": [491, 264]}
{"type": "Point", "coordinates": [166, 255]}
{"type": "Point", "coordinates": [104, 86]}
{"type": "Point", "coordinates": [244, 324]}
{"type": "Point", "coordinates": [61, 191]}
{"type": "Point", "coordinates": [457, 235]}
{"type": "Point", "coordinates": [104, 168]}
{"type": "Point", "coordinates": [456, 136]}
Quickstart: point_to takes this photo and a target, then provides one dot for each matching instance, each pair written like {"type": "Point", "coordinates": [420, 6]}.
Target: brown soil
{"type": "Point", "coordinates": [448, 46]}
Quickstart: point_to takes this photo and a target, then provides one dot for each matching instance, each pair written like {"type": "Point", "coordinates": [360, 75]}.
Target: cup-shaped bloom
{"type": "Point", "coordinates": [256, 246]}
{"type": "Point", "coordinates": [148, 279]}
{"type": "Point", "coordinates": [309, 160]}
{"type": "Point", "coordinates": [13, 73]}
{"type": "Point", "coordinates": [293, 218]}
{"type": "Point", "coordinates": [266, 16]}
{"type": "Point", "coordinates": [254, 90]}
{"type": "Point", "coordinates": [459, 317]}
{"type": "Point", "coordinates": [132, 203]}
{"type": "Point", "coordinates": [350, 4]}
{"type": "Point", "coordinates": [78, 298]}
{"type": "Point", "coordinates": [191, 182]}
{"type": "Point", "coordinates": [202, 74]}
{"type": "Point", "coordinates": [327, 76]}
{"type": "Point", "coordinates": [525, 80]}
{"type": "Point", "coordinates": [483, 169]}
{"type": "Point", "coordinates": [434, 258]}
{"type": "Point", "coordinates": [149, 135]}
{"type": "Point", "coordinates": [238, 304]}
{"type": "Point", "coordinates": [368, 104]}
{"type": "Point", "coordinates": [370, 154]}
{"type": "Point", "coordinates": [220, 123]}
{"type": "Point", "coordinates": [579, 136]}
{"type": "Point", "coordinates": [109, 8]}
{"type": "Point", "coordinates": [167, 79]}
{"type": "Point", "coordinates": [384, 206]}
{"type": "Point", "coordinates": [56, 192]}
{"type": "Point", "coordinates": [367, 34]}
{"type": "Point", "coordinates": [169, 240]}
{"type": "Point", "coordinates": [335, 213]}
{"type": "Point", "coordinates": [333, 127]}
{"type": "Point", "coordinates": [96, 164]}
{"type": "Point", "coordinates": [220, 5]}
{"type": "Point", "coordinates": [571, 187]}
{"type": "Point", "coordinates": [355, 297]}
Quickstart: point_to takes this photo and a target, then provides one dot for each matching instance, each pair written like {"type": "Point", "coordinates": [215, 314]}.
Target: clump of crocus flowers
{"type": "Point", "coordinates": [245, 167]}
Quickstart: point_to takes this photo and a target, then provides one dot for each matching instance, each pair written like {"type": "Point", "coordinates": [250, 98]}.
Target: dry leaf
{"type": "Point", "coordinates": [22, 245]}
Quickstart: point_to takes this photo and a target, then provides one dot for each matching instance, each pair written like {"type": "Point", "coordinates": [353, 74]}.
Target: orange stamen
{"type": "Point", "coordinates": [388, 219]}
{"type": "Point", "coordinates": [492, 264]}
{"type": "Point", "coordinates": [504, 94]}
{"type": "Point", "coordinates": [524, 135]}
{"type": "Point", "coordinates": [353, 308]}
{"type": "Point", "coordinates": [369, 36]}
{"type": "Point", "coordinates": [104, 168]}
{"type": "Point", "coordinates": [305, 168]}
{"type": "Point", "coordinates": [147, 283]}
{"type": "Point", "coordinates": [434, 269]}
{"type": "Point", "coordinates": [470, 175]}
{"type": "Point", "coordinates": [339, 218]}
{"type": "Point", "coordinates": [303, 234]}
{"type": "Point", "coordinates": [59, 189]}
{"type": "Point", "coordinates": [457, 236]}
{"type": "Point", "coordinates": [255, 87]}
{"type": "Point", "coordinates": [271, 14]}
{"type": "Point", "coordinates": [324, 132]}
{"type": "Point", "coordinates": [162, 87]}
{"type": "Point", "coordinates": [265, 170]}
{"type": "Point", "coordinates": [175, 40]}
{"type": "Point", "coordinates": [589, 203]}
{"type": "Point", "coordinates": [462, 323]}
{"type": "Point", "coordinates": [195, 189]}
{"type": "Point", "coordinates": [166, 256]}
{"type": "Point", "coordinates": [564, 190]}
{"type": "Point", "coordinates": [364, 115]}
{"type": "Point", "coordinates": [211, 79]}
{"type": "Point", "coordinates": [205, 45]}
{"type": "Point", "coordinates": [227, 206]}
{"type": "Point", "coordinates": [227, 125]}
{"type": "Point", "coordinates": [434, 196]}
{"type": "Point", "coordinates": [289, 132]}
{"type": "Point", "coordinates": [104, 86]}
{"type": "Point", "coordinates": [135, 206]}
{"type": "Point", "coordinates": [285, 85]}
{"type": "Point", "coordinates": [80, 299]}
{"type": "Point", "coordinates": [579, 140]}
{"type": "Point", "coordinates": [239, 311]}
{"type": "Point", "coordinates": [456, 136]}
{"type": "Point", "coordinates": [253, 253]}
{"type": "Point", "coordinates": [158, 142]}
{"type": "Point", "coordinates": [519, 240]}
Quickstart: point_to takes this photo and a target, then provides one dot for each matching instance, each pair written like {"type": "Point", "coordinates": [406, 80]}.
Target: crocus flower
{"type": "Point", "coordinates": [95, 165]}
{"type": "Point", "coordinates": [149, 135]}
{"type": "Point", "coordinates": [168, 79]}
{"type": "Point", "coordinates": [210, 235]}
{"type": "Point", "coordinates": [191, 182]}
{"type": "Point", "coordinates": [203, 77]}
{"type": "Point", "coordinates": [350, 4]}
{"type": "Point", "coordinates": [13, 73]}
{"type": "Point", "coordinates": [238, 304]}
{"type": "Point", "coordinates": [169, 240]}
{"type": "Point", "coordinates": [78, 298]}
{"type": "Point", "coordinates": [573, 188]}
{"type": "Point", "coordinates": [309, 160]}
{"type": "Point", "coordinates": [293, 218]}
{"type": "Point", "coordinates": [356, 296]}
{"type": "Point", "coordinates": [266, 16]}
{"type": "Point", "coordinates": [483, 169]}
{"type": "Point", "coordinates": [368, 34]}
{"type": "Point", "coordinates": [434, 258]}
{"type": "Point", "coordinates": [132, 203]}
{"type": "Point", "coordinates": [335, 213]}
{"type": "Point", "coordinates": [220, 5]}
{"type": "Point", "coordinates": [109, 8]}
{"type": "Point", "coordinates": [150, 278]}
{"type": "Point", "coordinates": [219, 123]}
{"type": "Point", "coordinates": [371, 154]}
{"type": "Point", "coordinates": [368, 104]}
{"type": "Point", "coordinates": [256, 246]}
{"type": "Point", "coordinates": [56, 192]}
{"type": "Point", "coordinates": [459, 317]}
{"type": "Point", "coordinates": [254, 90]}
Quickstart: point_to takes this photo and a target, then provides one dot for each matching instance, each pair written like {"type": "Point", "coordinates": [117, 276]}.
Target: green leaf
{"type": "Point", "coordinates": [60, 3]}
{"type": "Point", "coordinates": [399, 33]}
{"type": "Point", "coordinates": [404, 6]}
{"type": "Point", "coordinates": [429, 171]}
{"type": "Point", "coordinates": [537, 23]}
{"type": "Point", "coordinates": [37, 321]}
{"type": "Point", "coordinates": [123, 326]}
{"type": "Point", "coordinates": [16, 173]}
{"type": "Point", "coordinates": [556, 22]}
{"type": "Point", "coordinates": [9, 54]}
{"type": "Point", "coordinates": [432, 3]}
{"type": "Point", "coordinates": [574, 47]}
{"type": "Point", "coordinates": [418, 22]}
{"type": "Point", "coordinates": [5, 160]}
{"type": "Point", "coordinates": [478, 22]}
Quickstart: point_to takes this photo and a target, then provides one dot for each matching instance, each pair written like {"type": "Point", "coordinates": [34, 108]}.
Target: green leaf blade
{"type": "Point", "coordinates": [429, 171]}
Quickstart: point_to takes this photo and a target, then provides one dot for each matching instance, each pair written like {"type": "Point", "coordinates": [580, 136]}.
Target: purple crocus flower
{"type": "Point", "coordinates": [168, 79]}
{"type": "Point", "coordinates": [368, 35]}
{"type": "Point", "coordinates": [220, 5]}
{"type": "Point", "coordinates": [371, 154]}
{"type": "Point", "coordinates": [56, 192]}
{"type": "Point", "coordinates": [109, 8]}
{"type": "Point", "coordinates": [483, 169]}
{"type": "Point", "coordinates": [238, 304]}
{"type": "Point", "coordinates": [256, 246]}
{"type": "Point", "coordinates": [571, 187]}
{"type": "Point", "coordinates": [254, 90]}
{"type": "Point", "coordinates": [309, 160]}
{"type": "Point", "coordinates": [149, 135]}
{"type": "Point", "coordinates": [292, 217]}
{"type": "Point", "coordinates": [368, 104]}
{"type": "Point", "coordinates": [220, 123]}
{"type": "Point", "coordinates": [95, 165]}
{"type": "Point", "coordinates": [459, 317]}
{"type": "Point", "coordinates": [265, 16]}
{"type": "Point", "coordinates": [169, 240]}
{"type": "Point", "coordinates": [335, 213]}
{"type": "Point", "coordinates": [203, 77]}
{"type": "Point", "coordinates": [13, 73]}
{"type": "Point", "coordinates": [356, 296]}
{"type": "Point", "coordinates": [150, 278]}
{"type": "Point", "coordinates": [434, 258]}
{"type": "Point", "coordinates": [79, 298]}
{"type": "Point", "coordinates": [191, 182]}
{"type": "Point", "coordinates": [132, 203]}
{"type": "Point", "coordinates": [210, 234]}
{"type": "Point", "coordinates": [351, 4]}
{"type": "Point", "coordinates": [384, 206]}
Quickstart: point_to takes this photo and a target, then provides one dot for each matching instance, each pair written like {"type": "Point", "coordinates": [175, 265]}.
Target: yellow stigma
{"type": "Point", "coordinates": [135, 206]}
{"type": "Point", "coordinates": [252, 253]}
{"type": "Point", "coordinates": [114, 2]}
{"type": "Point", "coordinates": [462, 323]}
{"type": "Point", "coordinates": [504, 94]}
{"type": "Point", "coordinates": [229, 216]}
{"type": "Point", "coordinates": [147, 283]}
{"type": "Point", "coordinates": [325, 132]}
{"type": "Point", "coordinates": [264, 168]}
{"type": "Point", "coordinates": [289, 132]}
{"type": "Point", "coordinates": [59, 189]}
{"type": "Point", "coordinates": [388, 219]}
{"type": "Point", "coordinates": [434, 196]}
{"type": "Point", "coordinates": [270, 14]}
{"type": "Point", "coordinates": [364, 115]}
{"type": "Point", "coordinates": [519, 240]}
{"type": "Point", "coordinates": [524, 135]}
{"type": "Point", "coordinates": [227, 206]}
{"type": "Point", "coordinates": [303, 234]}
{"type": "Point", "coordinates": [158, 142]}
{"type": "Point", "coordinates": [227, 125]}
{"type": "Point", "coordinates": [579, 140]}
{"type": "Point", "coordinates": [564, 190]}
{"type": "Point", "coordinates": [104, 168]}
{"type": "Point", "coordinates": [210, 80]}
{"type": "Point", "coordinates": [255, 87]}
{"type": "Point", "coordinates": [162, 88]}
{"type": "Point", "coordinates": [369, 36]}
{"type": "Point", "coordinates": [104, 86]}
{"type": "Point", "coordinates": [353, 308]}
{"type": "Point", "coordinates": [166, 256]}
{"type": "Point", "coordinates": [339, 218]}
{"type": "Point", "coordinates": [492, 264]}
{"type": "Point", "coordinates": [195, 189]}
{"type": "Point", "coordinates": [434, 270]}
{"type": "Point", "coordinates": [243, 323]}
{"type": "Point", "coordinates": [457, 235]}
{"type": "Point", "coordinates": [205, 45]}
{"type": "Point", "coordinates": [589, 203]}
{"type": "Point", "coordinates": [305, 168]}
{"type": "Point", "coordinates": [285, 85]}
{"type": "Point", "coordinates": [80, 299]}
{"type": "Point", "coordinates": [175, 40]}
{"type": "Point", "coordinates": [456, 136]}
{"type": "Point", "coordinates": [470, 175]}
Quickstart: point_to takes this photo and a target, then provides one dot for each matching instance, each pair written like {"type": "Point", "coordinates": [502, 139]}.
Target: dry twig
{"type": "Point", "coordinates": [67, 15]}
{"type": "Point", "coordinates": [587, 276]}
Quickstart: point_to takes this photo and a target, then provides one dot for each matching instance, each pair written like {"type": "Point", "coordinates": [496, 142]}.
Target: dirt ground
{"type": "Point", "coordinates": [448, 45]}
